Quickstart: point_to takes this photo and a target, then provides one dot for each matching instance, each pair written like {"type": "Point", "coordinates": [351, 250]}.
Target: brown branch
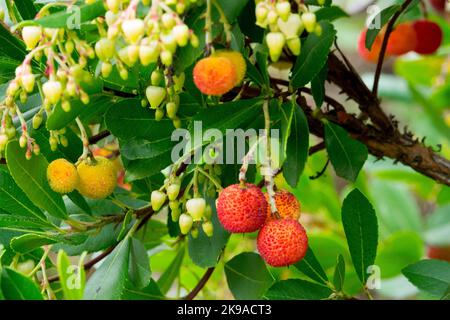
{"type": "Point", "coordinates": [100, 136]}
{"type": "Point", "coordinates": [2, 161]}
{"type": "Point", "coordinates": [200, 284]}
{"type": "Point", "coordinates": [389, 29]}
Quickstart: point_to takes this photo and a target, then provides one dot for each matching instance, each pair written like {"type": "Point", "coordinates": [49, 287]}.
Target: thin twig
{"type": "Point", "coordinates": [200, 284]}
{"type": "Point", "coordinates": [389, 29]}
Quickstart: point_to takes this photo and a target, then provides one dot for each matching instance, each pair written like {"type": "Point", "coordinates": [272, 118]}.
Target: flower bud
{"type": "Point", "coordinates": [292, 27]}
{"type": "Point", "coordinates": [261, 13]}
{"type": "Point", "coordinates": [65, 105]}
{"type": "Point", "coordinates": [283, 9]}
{"type": "Point", "coordinates": [208, 228]}
{"type": "Point", "coordinates": [113, 5]}
{"type": "Point", "coordinates": [28, 154]}
{"type": "Point", "coordinates": [123, 73]}
{"type": "Point", "coordinates": [53, 143]}
{"type": "Point", "coordinates": [185, 222]}
{"type": "Point", "coordinates": [133, 29]}
{"type": "Point", "coordinates": [159, 114]}
{"type": "Point", "coordinates": [177, 123]}
{"type": "Point", "coordinates": [196, 208]}
{"type": "Point", "coordinates": [166, 58]}
{"type": "Point", "coordinates": [110, 17]}
{"type": "Point", "coordinates": [12, 89]}
{"type": "Point", "coordinates": [309, 20]}
{"type": "Point", "coordinates": [168, 20]}
{"type": "Point", "coordinates": [156, 77]}
{"type": "Point", "coordinates": [106, 69]}
{"type": "Point", "coordinates": [275, 42]}
{"type": "Point", "coordinates": [64, 141]}
{"type": "Point", "coordinates": [3, 141]}
{"type": "Point", "coordinates": [23, 140]}
{"type": "Point", "coordinates": [208, 212]}
{"type": "Point", "coordinates": [193, 39]}
{"type": "Point", "coordinates": [37, 121]}
{"type": "Point", "coordinates": [31, 36]}
{"type": "Point", "coordinates": [84, 97]}
{"type": "Point", "coordinates": [181, 34]}
{"type": "Point", "coordinates": [272, 17]}
{"type": "Point", "coordinates": [169, 42]}
{"type": "Point", "coordinates": [105, 49]}
{"type": "Point", "coordinates": [155, 96]}
{"type": "Point", "coordinates": [295, 45]}
{"type": "Point", "coordinates": [157, 199]}
{"type": "Point", "coordinates": [149, 53]}
{"type": "Point", "coordinates": [11, 132]}
{"type": "Point", "coordinates": [172, 191]}
{"type": "Point", "coordinates": [36, 149]}
{"type": "Point", "coordinates": [52, 91]}
{"type": "Point", "coordinates": [174, 204]}
{"type": "Point", "coordinates": [194, 233]}
{"type": "Point", "coordinates": [175, 213]}
{"type": "Point", "coordinates": [69, 46]}
{"type": "Point", "coordinates": [171, 108]}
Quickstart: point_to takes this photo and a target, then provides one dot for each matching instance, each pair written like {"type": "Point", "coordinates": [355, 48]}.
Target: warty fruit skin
{"type": "Point", "coordinates": [98, 179]}
{"type": "Point", "coordinates": [403, 39]}
{"type": "Point", "coordinates": [287, 205]}
{"type": "Point", "coordinates": [373, 54]}
{"type": "Point", "coordinates": [238, 61]}
{"type": "Point", "coordinates": [282, 242]}
{"type": "Point", "coordinates": [241, 209]}
{"type": "Point", "coordinates": [62, 176]}
{"type": "Point", "coordinates": [214, 76]}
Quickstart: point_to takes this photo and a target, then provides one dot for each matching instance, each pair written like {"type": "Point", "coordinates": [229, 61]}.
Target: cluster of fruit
{"type": "Point", "coordinates": [220, 72]}
{"type": "Point", "coordinates": [94, 177]}
{"type": "Point", "coordinates": [282, 240]}
{"type": "Point", "coordinates": [284, 25]}
{"type": "Point", "coordinates": [421, 36]}
{"type": "Point", "coordinates": [151, 39]}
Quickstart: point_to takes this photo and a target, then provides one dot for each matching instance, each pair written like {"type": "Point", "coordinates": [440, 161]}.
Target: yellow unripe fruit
{"type": "Point", "coordinates": [97, 179]}
{"type": "Point", "coordinates": [62, 176]}
{"type": "Point", "coordinates": [237, 60]}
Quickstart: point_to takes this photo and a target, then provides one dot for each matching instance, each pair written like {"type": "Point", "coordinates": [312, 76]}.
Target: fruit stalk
{"type": "Point", "coordinates": [85, 139]}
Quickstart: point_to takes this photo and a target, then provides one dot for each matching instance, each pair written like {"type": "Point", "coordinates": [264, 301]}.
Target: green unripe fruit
{"type": "Point", "coordinates": [157, 200]}
{"type": "Point", "coordinates": [208, 228]}
{"type": "Point", "coordinates": [185, 222]}
{"type": "Point", "coordinates": [196, 208]}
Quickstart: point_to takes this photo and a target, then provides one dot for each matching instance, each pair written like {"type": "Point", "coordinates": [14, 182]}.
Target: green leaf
{"type": "Point", "coordinates": [297, 145]}
{"type": "Point", "coordinates": [330, 13]}
{"type": "Point", "coordinates": [318, 86]}
{"type": "Point", "coordinates": [361, 229]}
{"type": "Point", "coordinates": [11, 46]}
{"type": "Point", "coordinates": [15, 201]}
{"type": "Point", "coordinates": [69, 18]}
{"type": "Point", "coordinates": [295, 289]}
{"type": "Point", "coordinates": [59, 118]}
{"type": "Point", "coordinates": [139, 268]}
{"type": "Point", "coordinates": [108, 281]}
{"type": "Point", "coordinates": [312, 268]}
{"type": "Point", "coordinates": [150, 292]}
{"type": "Point", "coordinates": [339, 274]}
{"type": "Point", "coordinates": [432, 276]}
{"type": "Point", "coordinates": [135, 149]}
{"type": "Point", "coordinates": [31, 177]}
{"type": "Point", "coordinates": [232, 8]}
{"type": "Point", "coordinates": [71, 277]}
{"type": "Point", "coordinates": [172, 272]}
{"type": "Point", "coordinates": [12, 221]}
{"type": "Point", "coordinates": [346, 154]}
{"type": "Point", "coordinates": [16, 286]}
{"type": "Point", "coordinates": [382, 18]}
{"type": "Point", "coordinates": [30, 241]}
{"type": "Point", "coordinates": [205, 251]}
{"type": "Point", "coordinates": [314, 55]}
{"type": "Point", "coordinates": [7, 69]}
{"type": "Point", "coordinates": [26, 9]}
{"type": "Point", "coordinates": [247, 276]}
{"type": "Point", "coordinates": [398, 251]}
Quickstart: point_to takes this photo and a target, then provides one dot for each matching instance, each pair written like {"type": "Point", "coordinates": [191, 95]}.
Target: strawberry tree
{"type": "Point", "coordinates": [155, 149]}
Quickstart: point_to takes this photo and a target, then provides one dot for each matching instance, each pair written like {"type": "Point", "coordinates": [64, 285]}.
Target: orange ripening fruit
{"type": "Point", "coordinates": [373, 54]}
{"type": "Point", "coordinates": [241, 209]}
{"type": "Point", "coordinates": [62, 176]}
{"type": "Point", "coordinates": [215, 76]}
{"type": "Point", "coordinates": [97, 179]}
{"type": "Point", "coordinates": [238, 61]}
{"type": "Point", "coordinates": [287, 205]}
{"type": "Point", "coordinates": [402, 40]}
{"type": "Point", "coordinates": [282, 242]}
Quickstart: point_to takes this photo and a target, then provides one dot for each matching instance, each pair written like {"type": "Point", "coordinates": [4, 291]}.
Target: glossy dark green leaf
{"type": "Point", "coordinates": [16, 286]}
{"type": "Point", "coordinates": [314, 55]}
{"type": "Point", "coordinates": [108, 281]}
{"type": "Point", "coordinates": [318, 86]}
{"type": "Point", "coordinates": [26, 9]}
{"type": "Point", "coordinates": [312, 268]}
{"type": "Point", "coordinates": [20, 222]}
{"type": "Point", "coordinates": [139, 268]}
{"type": "Point", "coordinates": [15, 201]}
{"type": "Point", "coordinates": [339, 274]}
{"type": "Point", "coordinates": [297, 145]}
{"type": "Point", "coordinates": [330, 13]}
{"type": "Point", "coordinates": [70, 18]}
{"type": "Point", "coordinates": [31, 177]}
{"type": "Point", "coordinates": [378, 22]}
{"type": "Point", "coordinates": [361, 229]}
{"type": "Point", "coordinates": [295, 289]}
{"type": "Point", "coordinates": [432, 276]}
{"type": "Point", "coordinates": [150, 292]}
{"type": "Point", "coordinates": [11, 46]}
{"type": "Point", "coordinates": [346, 154]}
{"type": "Point", "coordinates": [247, 276]}
{"type": "Point", "coordinates": [232, 8]}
